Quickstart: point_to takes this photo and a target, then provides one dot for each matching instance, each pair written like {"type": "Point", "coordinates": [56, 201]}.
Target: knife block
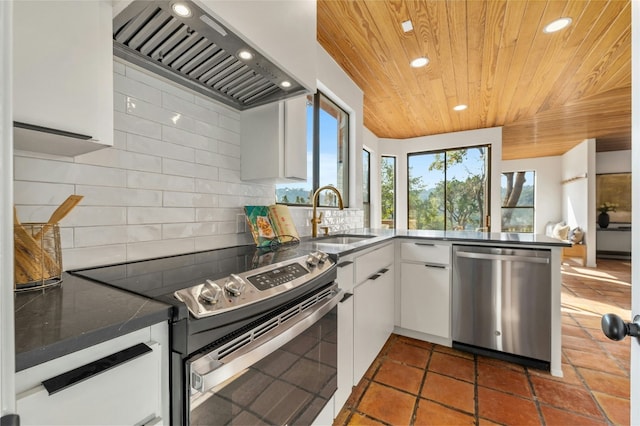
{"type": "Point", "coordinates": [37, 256]}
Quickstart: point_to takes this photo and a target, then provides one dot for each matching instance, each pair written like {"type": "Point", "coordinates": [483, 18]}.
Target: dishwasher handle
{"type": "Point", "coordinates": [502, 257]}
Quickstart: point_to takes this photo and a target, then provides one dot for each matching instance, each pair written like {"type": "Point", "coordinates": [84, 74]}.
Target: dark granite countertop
{"type": "Point", "coordinates": [77, 314]}
{"type": "Point", "coordinates": [378, 236]}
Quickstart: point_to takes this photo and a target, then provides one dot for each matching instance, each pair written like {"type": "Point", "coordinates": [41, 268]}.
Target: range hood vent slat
{"type": "Point", "coordinates": [197, 52]}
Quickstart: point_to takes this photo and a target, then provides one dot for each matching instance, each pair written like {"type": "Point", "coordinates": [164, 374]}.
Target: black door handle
{"type": "Point", "coordinates": [616, 329]}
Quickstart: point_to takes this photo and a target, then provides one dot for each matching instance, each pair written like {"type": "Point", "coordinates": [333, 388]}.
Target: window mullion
{"type": "Point", "coordinates": [316, 143]}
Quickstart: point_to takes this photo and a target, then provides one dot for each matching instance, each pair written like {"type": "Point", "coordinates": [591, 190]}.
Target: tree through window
{"type": "Point", "coordinates": [518, 201]}
{"type": "Point", "coordinates": [448, 189]}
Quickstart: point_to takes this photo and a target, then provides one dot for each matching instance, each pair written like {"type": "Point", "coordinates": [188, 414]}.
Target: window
{"type": "Point", "coordinates": [366, 187]}
{"type": "Point", "coordinates": [388, 191]}
{"type": "Point", "coordinates": [448, 189]}
{"type": "Point", "coordinates": [327, 156]}
{"type": "Point", "coordinates": [517, 190]}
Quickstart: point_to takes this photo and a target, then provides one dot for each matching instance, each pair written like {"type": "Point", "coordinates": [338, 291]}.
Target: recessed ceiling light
{"type": "Point", "coordinates": [419, 62]}
{"type": "Point", "coordinates": [181, 9]}
{"type": "Point", "coordinates": [460, 107]}
{"type": "Point", "coordinates": [245, 54]}
{"type": "Point", "coordinates": [285, 84]}
{"type": "Point", "coordinates": [557, 25]}
{"type": "Point", "coordinates": [407, 26]}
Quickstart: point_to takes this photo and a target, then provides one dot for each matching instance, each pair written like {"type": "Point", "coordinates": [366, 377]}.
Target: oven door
{"type": "Point", "coordinates": [282, 370]}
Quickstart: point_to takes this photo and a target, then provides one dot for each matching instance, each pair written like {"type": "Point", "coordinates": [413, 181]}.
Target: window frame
{"type": "Point", "coordinates": [527, 207]}
{"type": "Point", "coordinates": [395, 188]}
{"type": "Point", "coordinates": [367, 201]}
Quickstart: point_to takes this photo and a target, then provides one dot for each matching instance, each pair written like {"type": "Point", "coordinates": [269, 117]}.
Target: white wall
{"type": "Point", "coordinates": [370, 143]}
{"type": "Point", "coordinates": [579, 195]}
{"type": "Point", "coordinates": [548, 187]}
{"type": "Point", "coordinates": [613, 162]}
{"type": "Point", "coordinates": [400, 149]}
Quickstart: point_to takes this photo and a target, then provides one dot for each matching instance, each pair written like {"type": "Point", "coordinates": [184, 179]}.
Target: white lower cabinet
{"type": "Point", "coordinates": [425, 299]}
{"type": "Point", "coordinates": [122, 381]}
{"type": "Point", "coordinates": [425, 290]}
{"type": "Point", "coordinates": [345, 333]}
{"type": "Point", "coordinates": [373, 318]}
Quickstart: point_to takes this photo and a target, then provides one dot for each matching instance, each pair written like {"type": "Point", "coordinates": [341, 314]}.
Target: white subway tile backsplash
{"type": "Point", "coordinates": [39, 170]}
{"type": "Point", "coordinates": [84, 257]}
{"type": "Point", "coordinates": [122, 160]}
{"type": "Point", "coordinates": [189, 109]}
{"type": "Point", "coordinates": [148, 111]}
{"type": "Point", "coordinates": [217, 133]}
{"type": "Point", "coordinates": [101, 235]}
{"type": "Point", "coordinates": [129, 87]}
{"type": "Point", "coordinates": [177, 230]}
{"type": "Point", "coordinates": [206, 172]}
{"type": "Point", "coordinates": [188, 138]}
{"type": "Point", "coordinates": [41, 192]}
{"type": "Point", "coordinates": [144, 180]}
{"type": "Point", "coordinates": [157, 147]}
{"type": "Point", "coordinates": [111, 196]}
{"type": "Point", "coordinates": [95, 216]}
{"type": "Point", "coordinates": [119, 102]}
{"type": "Point", "coordinates": [158, 82]}
{"type": "Point", "coordinates": [217, 107]}
{"type": "Point", "coordinates": [136, 125]}
{"type": "Point", "coordinates": [178, 168]}
{"type": "Point", "coordinates": [232, 124]}
{"type": "Point", "coordinates": [139, 215]}
{"type": "Point", "coordinates": [216, 214]}
{"type": "Point", "coordinates": [229, 149]}
{"type": "Point", "coordinates": [119, 67]}
{"type": "Point", "coordinates": [189, 199]}
{"type": "Point", "coordinates": [119, 140]}
{"type": "Point", "coordinates": [147, 250]}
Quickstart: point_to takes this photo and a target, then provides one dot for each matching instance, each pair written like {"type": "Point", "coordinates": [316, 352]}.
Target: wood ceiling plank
{"type": "Point", "coordinates": [548, 91]}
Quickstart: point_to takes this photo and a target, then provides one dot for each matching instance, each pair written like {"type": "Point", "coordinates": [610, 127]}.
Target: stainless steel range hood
{"type": "Point", "coordinates": [198, 52]}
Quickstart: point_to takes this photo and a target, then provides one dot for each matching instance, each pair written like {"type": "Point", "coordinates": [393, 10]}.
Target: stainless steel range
{"type": "Point", "coordinates": [253, 334]}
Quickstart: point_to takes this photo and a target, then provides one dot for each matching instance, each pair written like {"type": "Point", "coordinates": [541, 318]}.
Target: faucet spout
{"type": "Point", "coordinates": [315, 220]}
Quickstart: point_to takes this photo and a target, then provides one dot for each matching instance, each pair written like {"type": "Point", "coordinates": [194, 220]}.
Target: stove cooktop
{"type": "Point", "coordinates": [159, 278]}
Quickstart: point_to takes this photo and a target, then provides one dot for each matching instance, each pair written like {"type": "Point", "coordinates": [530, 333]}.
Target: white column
{"type": "Point", "coordinates": [7, 346]}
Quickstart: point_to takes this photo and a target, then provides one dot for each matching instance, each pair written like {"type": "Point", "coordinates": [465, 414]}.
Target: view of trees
{"type": "Point", "coordinates": [388, 190]}
{"type": "Point", "coordinates": [456, 203]}
{"type": "Point", "coordinates": [517, 201]}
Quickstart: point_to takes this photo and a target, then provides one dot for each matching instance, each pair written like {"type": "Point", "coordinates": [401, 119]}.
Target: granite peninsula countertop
{"type": "Point", "coordinates": [77, 314]}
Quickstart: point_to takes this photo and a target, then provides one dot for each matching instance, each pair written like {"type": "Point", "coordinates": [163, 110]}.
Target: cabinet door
{"type": "Point", "coordinates": [345, 351]}
{"type": "Point", "coordinates": [425, 299]}
{"type": "Point", "coordinates": [63, 70]}
{"type": "Point", "coordinates": [273, 142]}
{"type": "Point", "coordinates": [128, 393]}
{"type": "Point", "coordinates": [373, 319]}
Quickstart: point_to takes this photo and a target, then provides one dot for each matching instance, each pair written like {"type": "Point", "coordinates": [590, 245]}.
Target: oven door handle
{"type": "Point", "coordinates": [207, 373]}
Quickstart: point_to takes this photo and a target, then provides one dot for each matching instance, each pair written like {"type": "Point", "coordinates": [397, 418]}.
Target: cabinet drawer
{"type": "Point", "coordinates": [424, 251]}
{"type": "Point", "coordinates": [345, 275]}
{"type": "Point", "coordinates": [126, 393]}
{"type": "Point", "coordinates": [370, 263]}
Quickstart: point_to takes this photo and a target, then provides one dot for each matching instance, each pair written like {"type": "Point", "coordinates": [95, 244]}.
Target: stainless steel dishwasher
{"type": "Point", "coordinates": [502, 303]}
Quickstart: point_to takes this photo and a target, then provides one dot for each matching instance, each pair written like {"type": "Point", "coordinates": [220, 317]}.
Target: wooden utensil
{"type": "Point", "coordinates": [59, 214]}
{"type": "Point", "coordinates": [32, 263]}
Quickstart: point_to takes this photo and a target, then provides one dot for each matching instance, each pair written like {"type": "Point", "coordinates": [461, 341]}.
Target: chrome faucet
{"type": "Point", "coordinates": [316, 220]}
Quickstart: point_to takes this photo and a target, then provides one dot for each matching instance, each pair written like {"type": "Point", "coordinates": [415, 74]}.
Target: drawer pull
{"type": "Point", "coordinates": [346, 297]}
{"type": "Point", "coordinates": [435, 266]}
{"type": "Point", "coordinates": [425, 244]}
{"type": "Point", "coordinates": [77, 375]}
{"type": "Point", "coordinates": [374, 277]}
{"type": "Point", "coordinates": [345, 263]}
{"type": "Point", "coordinates": [383, 271]}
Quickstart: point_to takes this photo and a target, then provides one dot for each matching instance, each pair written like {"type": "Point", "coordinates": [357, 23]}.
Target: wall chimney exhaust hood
{"type": "Point", "coordinates": [200, 53]}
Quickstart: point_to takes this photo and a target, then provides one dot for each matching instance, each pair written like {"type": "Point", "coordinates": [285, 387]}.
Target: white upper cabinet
{"type": "Point", "coordinates": [63, 75]}
{"type": "Point", "coordinates": [283, 30]}
{"type": "Point", "coordinates": [274, 142]}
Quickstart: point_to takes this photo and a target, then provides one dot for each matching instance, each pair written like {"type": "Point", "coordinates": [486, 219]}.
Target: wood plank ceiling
{"type": "Point", "coordinates": [549, 91]}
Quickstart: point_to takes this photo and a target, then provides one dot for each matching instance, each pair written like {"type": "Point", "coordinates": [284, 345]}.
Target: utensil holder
{"type": "Point", "coordinates": [37, 256]}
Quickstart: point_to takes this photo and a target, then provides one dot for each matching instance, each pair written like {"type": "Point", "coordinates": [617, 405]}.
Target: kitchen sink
{"type": "Point", "coordinates": [343, 239]}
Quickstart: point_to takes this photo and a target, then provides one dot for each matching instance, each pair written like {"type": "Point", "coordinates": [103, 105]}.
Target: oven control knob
{"type": "Point", "coordinates": [312, 260]}
{"type": "Point", "coordinates": [210, 292]}
{"type": "Point", "coordinates": [322, 256]}
{"type": "Point", "coordinates": [234, 285]}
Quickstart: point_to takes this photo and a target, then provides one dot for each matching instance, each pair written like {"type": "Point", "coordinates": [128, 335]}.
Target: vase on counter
{"type": "Point", "coordinates": [603, 220]}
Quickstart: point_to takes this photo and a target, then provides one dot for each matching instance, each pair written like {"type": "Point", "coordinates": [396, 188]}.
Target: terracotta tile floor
{"type": "Point", "coordinates": [419, 383]}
